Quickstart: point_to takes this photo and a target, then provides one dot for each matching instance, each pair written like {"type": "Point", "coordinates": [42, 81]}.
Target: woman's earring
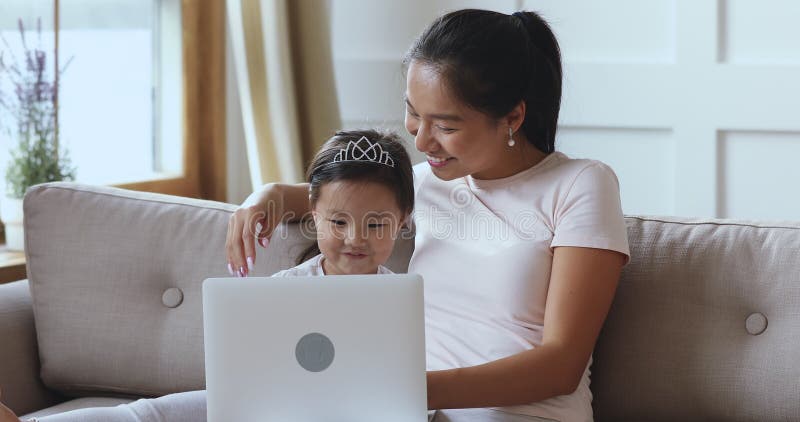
{"type": "Point", "coordinates": [511, 141]}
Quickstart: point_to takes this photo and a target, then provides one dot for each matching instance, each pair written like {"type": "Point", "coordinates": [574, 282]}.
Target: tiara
{"type": "Point", "coordinates": [372, 152]}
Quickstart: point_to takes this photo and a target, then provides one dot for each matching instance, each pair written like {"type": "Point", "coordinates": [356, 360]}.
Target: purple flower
{"type": "Point", "coordinates": [32, 100]}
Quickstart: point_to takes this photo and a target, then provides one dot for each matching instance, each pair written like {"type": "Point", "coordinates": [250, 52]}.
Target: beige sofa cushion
{"type": "Point", "coordinates": [19, 364]}
{"type": "Point", "coordinates": [99, 261]}
{"type": "Point", "coordinates": [676, 344]}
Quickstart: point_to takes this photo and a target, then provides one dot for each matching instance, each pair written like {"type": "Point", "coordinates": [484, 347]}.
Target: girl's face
{"type": "Point", "coordinates": [458, 140]}
{"type": "Point", "coordinates": [357, 224]}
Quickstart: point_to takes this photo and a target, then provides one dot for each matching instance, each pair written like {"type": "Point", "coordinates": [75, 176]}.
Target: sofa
{"type": "Point", "coordinates": [705, 324]}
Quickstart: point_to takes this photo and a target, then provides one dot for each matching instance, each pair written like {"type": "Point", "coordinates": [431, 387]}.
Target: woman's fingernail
{"type": "Point", "coordinates": [249, 263]}
{"type": "Point", "coordinates": [242, 272]}
{"type": "Point", "coordinates": [230, 269]}
{"type": "Point", "coordinates": [265, 242]}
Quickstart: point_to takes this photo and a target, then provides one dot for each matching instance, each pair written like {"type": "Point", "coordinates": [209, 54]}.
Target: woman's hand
{"type": "Point", "coordinates": [256, 219]}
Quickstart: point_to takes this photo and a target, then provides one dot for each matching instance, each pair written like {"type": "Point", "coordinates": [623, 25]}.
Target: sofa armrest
{"type": "Point", "coordinates": [23, 391]}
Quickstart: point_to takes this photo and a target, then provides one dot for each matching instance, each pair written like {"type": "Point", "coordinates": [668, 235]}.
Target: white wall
{"type": "Point", "coordinates": [694, 103]}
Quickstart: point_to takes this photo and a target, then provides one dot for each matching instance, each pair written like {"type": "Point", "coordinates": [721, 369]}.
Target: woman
{"type": "Point", "coordinates": [520, 247]}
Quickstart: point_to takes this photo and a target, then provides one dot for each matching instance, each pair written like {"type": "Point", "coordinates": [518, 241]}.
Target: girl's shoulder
{"type": "Point", "coordinates": [310, 267]}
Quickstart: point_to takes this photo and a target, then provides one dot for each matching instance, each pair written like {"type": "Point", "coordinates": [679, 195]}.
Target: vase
{"type": "Point", "coordinates": [11, 212]}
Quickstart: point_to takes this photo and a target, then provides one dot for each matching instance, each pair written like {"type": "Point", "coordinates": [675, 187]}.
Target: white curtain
{"type": "Point", "coordinates": [284, 68]}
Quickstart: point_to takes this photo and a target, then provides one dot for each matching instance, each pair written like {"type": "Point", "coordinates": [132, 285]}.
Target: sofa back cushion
{"type": "Point", "coordinates": [116, 276]}
{"type": "Point", "coordinates": [705, 324]}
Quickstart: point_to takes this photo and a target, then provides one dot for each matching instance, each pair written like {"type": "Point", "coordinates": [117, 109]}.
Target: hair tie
{"type": "Point", "coordinates": [521, 16]}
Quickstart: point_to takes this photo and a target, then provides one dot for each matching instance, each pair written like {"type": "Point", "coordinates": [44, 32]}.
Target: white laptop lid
{"type": "Point", "coordinates": [315, 349]}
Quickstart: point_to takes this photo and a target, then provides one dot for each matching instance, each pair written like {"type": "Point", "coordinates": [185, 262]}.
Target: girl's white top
{"type": "Point", "coordinates": [313, 267]}
{"type": "Point", "coordinates": [485, 250]}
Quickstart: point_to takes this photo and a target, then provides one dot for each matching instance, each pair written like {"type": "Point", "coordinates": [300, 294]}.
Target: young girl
{"type": "Point", "coordinates": [361, 193]}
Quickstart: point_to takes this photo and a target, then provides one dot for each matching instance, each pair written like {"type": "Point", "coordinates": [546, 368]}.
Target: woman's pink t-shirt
{"type": "Point", "coordinates": [485, 249]}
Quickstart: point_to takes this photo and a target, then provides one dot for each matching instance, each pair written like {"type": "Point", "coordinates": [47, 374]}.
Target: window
{"type": "Point", "coordinates": [120, 100]}
{"type": "Point", "coordinates": [135, 105]}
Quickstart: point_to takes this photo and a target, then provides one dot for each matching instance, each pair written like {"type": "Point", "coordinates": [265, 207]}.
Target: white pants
{"type": "Point", "coordinates": [191, 407]}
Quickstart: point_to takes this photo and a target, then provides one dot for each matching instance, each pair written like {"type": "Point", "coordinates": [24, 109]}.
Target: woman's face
{"type": "Point", "coordinates": [457, 140]}
{"type": "Point", "coordinates": [357, 224]}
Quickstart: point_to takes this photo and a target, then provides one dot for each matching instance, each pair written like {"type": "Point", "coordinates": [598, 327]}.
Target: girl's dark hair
{"type": "Point", "coordinates": [398, 179]}
{"type": "Point", "coordinates": [491, 61]}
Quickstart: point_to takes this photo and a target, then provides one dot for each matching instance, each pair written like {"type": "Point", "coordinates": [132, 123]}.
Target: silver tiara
{"type": "Point", "coordinates": [358, 151]}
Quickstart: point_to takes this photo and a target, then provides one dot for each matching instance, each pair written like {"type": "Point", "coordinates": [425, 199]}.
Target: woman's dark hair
{"type": "Point", "coordinates": [398, 178]}
{"type": "Point", "coordinates": [491, 61]}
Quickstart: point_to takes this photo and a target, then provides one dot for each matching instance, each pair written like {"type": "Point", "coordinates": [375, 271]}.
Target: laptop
{"type": "Point", "coordinates": [315, 349]}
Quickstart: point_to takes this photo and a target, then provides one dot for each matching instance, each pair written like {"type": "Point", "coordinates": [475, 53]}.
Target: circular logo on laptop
{"type": "Point", "coordinates": [314, 352]}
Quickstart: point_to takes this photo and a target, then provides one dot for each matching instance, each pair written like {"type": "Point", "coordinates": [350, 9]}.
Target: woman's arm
{"type": "Point", "coordinates": [273, 204]}
{"type": "Point", "coordinates": [582, 286]}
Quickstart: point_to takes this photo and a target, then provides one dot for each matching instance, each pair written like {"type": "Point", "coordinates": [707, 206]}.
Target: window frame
{"type": "Point", "coordinates": [204, 143]}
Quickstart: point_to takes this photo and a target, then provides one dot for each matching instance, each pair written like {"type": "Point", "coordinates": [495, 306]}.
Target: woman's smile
{"type": "Point", "coordinates": [439, 162]}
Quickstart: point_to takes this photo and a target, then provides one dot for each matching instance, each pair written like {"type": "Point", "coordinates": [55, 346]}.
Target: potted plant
{"type": "Point", "coordinates": [32, 105]}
